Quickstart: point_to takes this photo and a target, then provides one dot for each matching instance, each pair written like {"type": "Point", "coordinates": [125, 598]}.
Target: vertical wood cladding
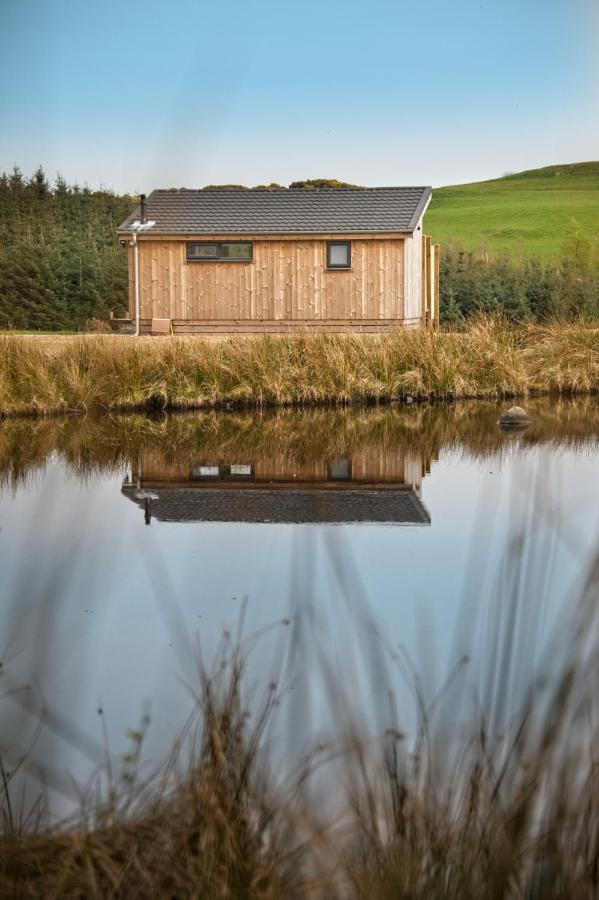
{"type": "Point", "coordinates": [287, 281]}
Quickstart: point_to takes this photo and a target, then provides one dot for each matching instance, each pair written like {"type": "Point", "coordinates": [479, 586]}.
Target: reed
{"type": "Point", "coordinates": [508, 816]}
{"type": "Point", "coordinates": [489, 359]}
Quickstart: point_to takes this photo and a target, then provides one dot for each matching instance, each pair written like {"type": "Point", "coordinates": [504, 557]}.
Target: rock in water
{"type": "Point", "coordinates": [515, 417]}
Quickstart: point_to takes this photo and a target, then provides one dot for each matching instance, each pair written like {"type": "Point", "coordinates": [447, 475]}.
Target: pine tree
{"type": "Point", "coordinates": [60, 261]}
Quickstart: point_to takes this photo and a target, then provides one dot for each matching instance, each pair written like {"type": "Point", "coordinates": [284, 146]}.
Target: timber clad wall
{"type": "Point", "coordinates": [287, 281]}
{"type": "Point", "coordinates": [413, 279]}
{"type": "Point", "coordinates": [369, 466]}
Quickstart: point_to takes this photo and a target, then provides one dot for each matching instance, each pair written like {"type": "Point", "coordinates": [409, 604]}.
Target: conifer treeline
{"type": "Point", "coordinates": [523, 288]}
{"type": "Point", "coordinates": [61, 264]}
{"type": "Point", "coordinates": [60, 260]}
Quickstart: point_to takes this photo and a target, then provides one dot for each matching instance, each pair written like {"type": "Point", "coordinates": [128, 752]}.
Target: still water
{"type": "Point", "coordinates": [128, 545]}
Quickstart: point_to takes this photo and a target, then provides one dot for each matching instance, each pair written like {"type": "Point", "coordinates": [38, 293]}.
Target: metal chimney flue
{"type": "Point", "coordinates": [142, 204]}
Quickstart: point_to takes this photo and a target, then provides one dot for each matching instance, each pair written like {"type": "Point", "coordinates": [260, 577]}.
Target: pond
{"type": "Point", "coordinates": [381, 547]}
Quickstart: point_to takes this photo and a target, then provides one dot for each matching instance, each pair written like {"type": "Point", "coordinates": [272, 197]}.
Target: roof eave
{"type": "Point", "coordinates": [157, 232]}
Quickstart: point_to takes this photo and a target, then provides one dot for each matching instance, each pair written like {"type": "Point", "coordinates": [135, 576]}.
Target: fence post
{"type": "Point", "coordinates": [429, 283]}
{"type": "Point", "coordinates": [437, 285]}
{"type": "Point", "coordinates": [425, 299]}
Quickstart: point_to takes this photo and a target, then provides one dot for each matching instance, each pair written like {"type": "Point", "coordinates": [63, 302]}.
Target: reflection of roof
{"type": "Point", "coordinates": [399, 506]}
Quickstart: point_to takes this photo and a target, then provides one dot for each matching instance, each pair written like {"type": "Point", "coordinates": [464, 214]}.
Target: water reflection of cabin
{"type": "Point", "coordinates": [370, 485]}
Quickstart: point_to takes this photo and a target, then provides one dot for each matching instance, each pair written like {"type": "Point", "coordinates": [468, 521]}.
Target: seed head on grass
{"type": "Point", "coordinates": [489, 358]}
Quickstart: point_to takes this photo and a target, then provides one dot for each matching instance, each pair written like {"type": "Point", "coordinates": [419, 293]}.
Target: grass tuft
{"type": "Point", "coordinates": [513, 815]}
{"type": "Point", "coordinates": [489, 359]}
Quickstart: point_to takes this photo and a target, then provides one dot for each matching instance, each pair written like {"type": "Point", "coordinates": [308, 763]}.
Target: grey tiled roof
{"type": "Point", "coordinates": [283, 211]}
{"type": "Point", "coordinates": [400, 507]}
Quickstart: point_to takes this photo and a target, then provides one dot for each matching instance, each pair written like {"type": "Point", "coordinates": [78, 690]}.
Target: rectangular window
{"type": "Point", "coordinates": [236, 251]}
{"type": "Point", "coordinates": [338, 254]}
{"type": "Point", "coordinates": [200, 472]}
{"type": "Point", "coordinates": [241, 470]}
{"type": "Point", "coordinates": [220, 251]}
{"type": "Point", "coordinates": [202, 251]}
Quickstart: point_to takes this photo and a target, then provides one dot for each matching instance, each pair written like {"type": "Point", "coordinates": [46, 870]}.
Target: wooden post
{"type": "Point", "coordinates": [432, 286]}
{"type": "Point", "coordinates": [425, 299]}
{"type": "Point", "coordinates": [437, 284]}
{"type": "Point", "coordinates": [427, 270]}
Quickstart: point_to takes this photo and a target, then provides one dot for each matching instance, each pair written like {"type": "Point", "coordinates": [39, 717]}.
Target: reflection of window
{"type": "Point", "coordinates": [221, 251]}
{"type": "Point", "coordinates": [338, 254]}
{"type": "Point", "coordinates": [199, 472]}
{"type": "Point", "coordinates": [241, 470]}
{"type": "Point", "coordinates": [340, 470]}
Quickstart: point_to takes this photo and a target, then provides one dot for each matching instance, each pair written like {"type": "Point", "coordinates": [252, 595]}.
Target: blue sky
{"type": "Point", "coordinates": [137, 95]}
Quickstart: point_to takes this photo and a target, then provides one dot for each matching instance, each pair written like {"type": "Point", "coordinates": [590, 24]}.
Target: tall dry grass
{"type": "Point", "coordinates": [485, 814]}
{"type": "Point", "coordinates": [489, 359]}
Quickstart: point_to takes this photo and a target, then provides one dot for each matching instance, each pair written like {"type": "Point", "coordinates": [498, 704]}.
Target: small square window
{"type": "Point", "coordinates": [338, 255]}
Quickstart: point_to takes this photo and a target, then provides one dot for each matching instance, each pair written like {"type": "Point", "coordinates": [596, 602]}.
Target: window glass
{"type": "Point", "coordinates": [205, 472]}
{"type": "Point", "coordinates": [220, 250]}
{"type": "Point", "coordinates": [202, 251]}
{"type": "Point", "coordinates": [339, 255]}
{"type": "Point", "coordinates": [236, 251]}
{"type": "Point", "coordinates": [240, 469]}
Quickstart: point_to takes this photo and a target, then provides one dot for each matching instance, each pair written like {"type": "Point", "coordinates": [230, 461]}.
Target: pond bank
{"type": "Point", "coordinates": [487, 360]}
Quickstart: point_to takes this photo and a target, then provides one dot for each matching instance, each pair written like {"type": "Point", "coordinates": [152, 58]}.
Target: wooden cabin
{"type": "Point", "coordinates": [277, 260]}
{"type": "Point", "coordinates": [367, 485]}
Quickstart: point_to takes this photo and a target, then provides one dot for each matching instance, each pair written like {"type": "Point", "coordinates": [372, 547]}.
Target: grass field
{"type": "Point", "coordinates": [524, 214]}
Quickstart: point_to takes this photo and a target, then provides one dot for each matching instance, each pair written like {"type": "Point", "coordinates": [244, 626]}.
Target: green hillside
{"type": "Point", "coordinates": [525, 213]}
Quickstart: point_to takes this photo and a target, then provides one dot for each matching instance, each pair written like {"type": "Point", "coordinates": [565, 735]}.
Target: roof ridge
{"type": "Point", "coordinates": [267, 190]}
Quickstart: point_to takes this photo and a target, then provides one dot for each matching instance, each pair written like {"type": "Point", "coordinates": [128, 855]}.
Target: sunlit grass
{"type": "Point", "coordinates": [524, 214]}
{"type": "Point", "coordinates": [488, 359]}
